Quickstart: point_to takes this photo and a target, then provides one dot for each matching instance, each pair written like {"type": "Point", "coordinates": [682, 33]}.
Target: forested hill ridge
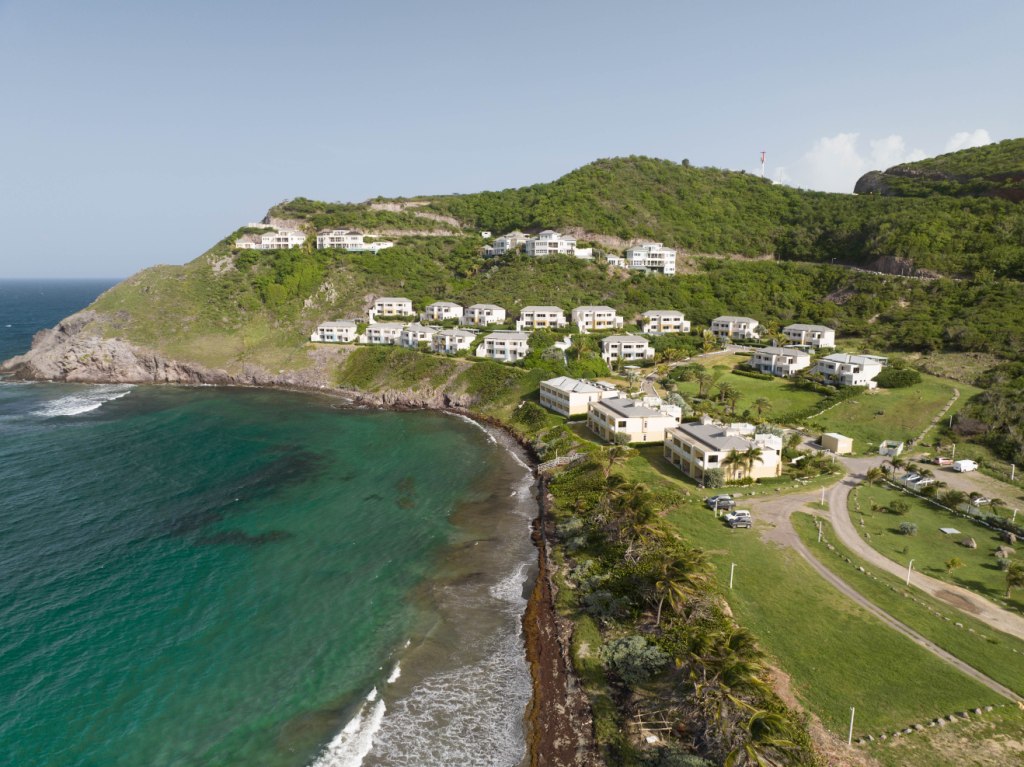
{"type": "Point", "coordinates": [713, 211]}
{"type": "Point", "coordinates": [995, 170]}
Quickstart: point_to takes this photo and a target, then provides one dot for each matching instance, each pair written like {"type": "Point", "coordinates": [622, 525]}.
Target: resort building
{"type": "Point", "coordinates": [549, 243]}
{"type": "Point", "coordinates": [277, 239]}
{"type": "Point", "coordinates": [850, 369]}
{"type": "Point", "coordinates": [624, 420]}
{"type": "Point", "coordinates": [651, 257]}
{"type": "Point", "coordinates": [660, 321]}
{"type": "Point", "coordinates": [534, 317]}
{"type": "Point", "coordinates": [481, 315]}
{"type": "Point", "coordinates": [440, 311]}
{"type": "Point", "coordinates": [386, 333]}
{"type": "Point", "coordinates": [595, 318]}
{"type": "Point", "coordinates": [388, 306]}
{"type": "Point", "coordinates": [571, 396]}
{"type": "Point", "coordinates": [507, 243]}
{"type": "Point", "coordinates": [816, 336]}
{"type": "Point", "coordinates": [336, 332]}
{"type": "Point", "coordinates": [350, 240]}
{"type": "Point", "coordinates": [728, 328]}
{"type": "Point", "coordinates": [415, 334]}
{"type": "Point", "coordinates": [451, 341]}
{"type": "Point", "coordinates": [629, 348]}
{"type": "Point", "coordinates": [696, 447]}
{"type": "Point", "coordinates": [780, 360]}
{"type": "Point", "coordinates": [504, 346]}
{"type": "Point", "coordinates": [614, 260]}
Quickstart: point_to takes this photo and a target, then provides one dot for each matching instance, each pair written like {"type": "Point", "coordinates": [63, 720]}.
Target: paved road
{"type": "Point", "coordinates": [776, 512]}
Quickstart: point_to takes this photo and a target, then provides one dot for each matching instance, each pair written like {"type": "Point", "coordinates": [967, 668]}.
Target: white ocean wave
{"type": "Point", "coordinates": [510, 588]}
{"type": "Point", "coordinates": [83, 401]}
{"type": "Point", "coordinates": [353, 743]}
{"type": "Point", "coordinates": [396, 672]}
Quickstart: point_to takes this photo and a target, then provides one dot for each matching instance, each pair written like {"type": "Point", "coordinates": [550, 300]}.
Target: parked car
{"type": "Point", "coordinates": [739, 518]}
{"type": "Point", "coordinates": [720, 502]}
{"type": "Point", "coordinates": [943, 461]}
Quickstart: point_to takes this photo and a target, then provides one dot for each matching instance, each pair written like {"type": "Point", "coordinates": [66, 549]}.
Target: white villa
{"type": "Point", "coordinates": [697, 447]}
{"type": "Point", "coordinates": [282, 239]}
{"type": "Point", "coordinates": [780, 360]}
{"type": "Point", "coordinates": [336, 332]}
{"type": "Point", "coordinates": [549, 242]}
{"type": "Point", "coordinates": [652, 257]}
{"type": "Point", "coordinates": [483, 314]}
{"type": "Point", "coordinates": [506, 244]}
{"type": "Point", "coordinates": [386, 333]}
{"type": "Point", "coordinates": [729, 327]}
{"type": "Point", "coordinates": [596, 318]}
{"type": "Point", "coordinates": [571, 396]}
{"type": "Point", "coordinates": [389, 306]}
{"type": "Point", "coordinates": [350, 240]}
{"type": "Point", "coordinates": [413, 335]}
{"type": "Point", "coordinates": [443, 310]}
{"type": "Point", "coordinates": [614, 260]}
{"type": "Point", "coordinates": [628, 347]}
{"type": "Point", "coordinates": [620, 419]}
{"type": "Point", "coordinates": [504, 346]}
{"type": "Point", "coordinates": [451, 340]}
{"type": "Point", "coordinates": [817, 336]}
{"type": "Point", "coordinates": [850, 369]}
{"type": "Point", "coordinates": [534, 317]}
{"type": "Point", "coordinates": [659, 321]}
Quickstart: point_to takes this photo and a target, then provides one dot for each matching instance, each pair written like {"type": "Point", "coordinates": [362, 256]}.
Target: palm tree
{"type": "Point", "coordinates": [679, 575]}
{"type": "Point", "coordinates": [762, 405]}
{"type": "Point", "coordinates": [709, 342]}
{"type": "Point", "coordinates": [1014, 577]}
{"type": "Point", "coordinates": [704, 380]}
{"type": "Point", "coordinates": [616, 454]}
{"type": "Point", "coordinates": [874, 474]}
{"type": "Point", "coordinates": [731, 461]}
{"type": "Point", "coordinates": [767, 732]}
{"type": "Point", "coordinates": [751, 456]}
{"type": "Point", "coordinates": [953, 498]}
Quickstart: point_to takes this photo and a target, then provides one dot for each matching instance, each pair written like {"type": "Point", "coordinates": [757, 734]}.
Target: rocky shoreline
{"type": "Point", "coordinates": [559, 724]}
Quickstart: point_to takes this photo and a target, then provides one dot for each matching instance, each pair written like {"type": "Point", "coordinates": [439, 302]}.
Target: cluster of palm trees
{"type": "Point", "coordinates": [739, 461]}
{"type": "Point", "coordinates": [720, 680]}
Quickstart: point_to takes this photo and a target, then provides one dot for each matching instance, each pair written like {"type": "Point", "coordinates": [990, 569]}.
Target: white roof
{"type": "Point", "coordinates": [385, 326]}
{"type": "Point", "coordinates": [486, 306]}
{"type": "Point", "coordinates": [732, 318]}
{"type": "Point", "coordinates": [777, 351]}
{"type": "Point", "coordinates": [573, 385]}
{"type": "Point", "coordinates": [802, 326]}
{"type": "Point", "coordinates": [662, 313]}
{"type": "Point", "coordinates": [392, 300]}
{"type": "Point", "coordinates": [626, 339]}
{"type": "Point", "coordinates": [508, 335]}
{"type": "Point", "coordinates": [455, 332]}
{"type": "Point", "coordinates": [418, 328]}
{"type": "Point", "coordinates": [594, 309]}
{"type": "Point", "coordinates": [629, 408]}
{"type": "Point", "coordinates": [445, 303]}
{"type": "Point", "coordinates": [854, 359]}
{"type": "Point", "coordinates": [543, 309]}
{"type": "Point", "coordinates": [338, 324]}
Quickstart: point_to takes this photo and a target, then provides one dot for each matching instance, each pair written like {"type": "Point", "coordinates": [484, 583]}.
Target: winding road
{"type": "Point", "coordinates": [777, 511]}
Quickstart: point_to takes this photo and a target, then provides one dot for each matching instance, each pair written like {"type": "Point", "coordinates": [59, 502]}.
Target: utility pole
{"type": "Point", "coordinates": [732, 571]}
{"type": "Point", "coordinates": [909, 568]}
{"type": "Point", "coordinates": [849, 738]}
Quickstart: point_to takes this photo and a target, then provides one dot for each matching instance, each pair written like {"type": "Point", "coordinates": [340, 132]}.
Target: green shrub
{"type": "Point", "coordinates": [908, 528]}
{"type": "Point", "coordinates": [897, 378]}
{"type": "Point", "coordinates": [633, 659]}
{"type": "Point", "coordinates": [714, 478]}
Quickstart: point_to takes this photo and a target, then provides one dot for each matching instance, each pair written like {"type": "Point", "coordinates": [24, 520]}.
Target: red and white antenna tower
{"type": "Point", "coordinates": [762, 163]}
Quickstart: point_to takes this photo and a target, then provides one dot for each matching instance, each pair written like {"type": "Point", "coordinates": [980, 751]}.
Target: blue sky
{"type": "Point", "coordinates": [135, 133]}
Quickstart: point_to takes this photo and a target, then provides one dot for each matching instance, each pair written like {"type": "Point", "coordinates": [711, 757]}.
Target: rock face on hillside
{"type": "Point", "coordinates": [73, 352]}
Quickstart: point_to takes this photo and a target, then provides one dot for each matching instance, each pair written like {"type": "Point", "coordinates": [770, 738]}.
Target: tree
{"type": "Point", "coordinates": [767, 733]}
{"type": "Point", "coordinates": [704, 380]}
{"type": "Point", "coordinates": [733, 460]}
{"type": "Point", "coordinates": [899, 506]}
{"type": "Point", "coordinates": [679, 575]}
{"type": "Point", "coordinates": [874, 475]}
{"type": "Point", "coordinates": [615, 455]}
{"type": "Point", "coordinates": [714, 478]}
{"type": "Point", "coordinates": [955, 563]}
{"type": "Point", "coordinates": [1014, 577]}
{"type": "Point", "coordinates": [762, 405]}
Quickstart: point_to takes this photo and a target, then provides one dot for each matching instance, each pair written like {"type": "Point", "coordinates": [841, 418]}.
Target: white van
{"type": "Point", "coordinates": [965, 465]}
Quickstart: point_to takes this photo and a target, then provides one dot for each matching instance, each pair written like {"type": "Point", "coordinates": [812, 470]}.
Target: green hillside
{"type": "Point", "coordinates": [995, 170]}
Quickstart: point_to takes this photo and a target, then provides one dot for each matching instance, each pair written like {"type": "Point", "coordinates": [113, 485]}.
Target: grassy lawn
{"type": "Point", "coordinates": [992, 740]}
{"type": "Point", "coordinates": [784, 397]}
{"type": "Point", "coordinates": [931, 549]}
{"type": "Point", "coordinates": [836, 654]}
{"type": "Point", "coordinates": [899, 414]}
{"type": "Point", "coordinates": [989, 651]}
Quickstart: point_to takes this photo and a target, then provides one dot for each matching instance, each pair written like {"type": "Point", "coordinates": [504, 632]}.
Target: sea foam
{"type": "Point", "coordinates": [84, 401]}
{"type": "Point", "coordinates": [353, 743]}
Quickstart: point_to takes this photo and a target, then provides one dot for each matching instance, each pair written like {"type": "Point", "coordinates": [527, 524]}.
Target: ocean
{"type": "Point", "coordinates": [200, 576]}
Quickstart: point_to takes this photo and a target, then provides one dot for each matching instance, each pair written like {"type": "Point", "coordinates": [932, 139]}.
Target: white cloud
{"type": "Point", "coordinates": [968, 139]}
{"type": "Point", "coordinates": [835, 163]}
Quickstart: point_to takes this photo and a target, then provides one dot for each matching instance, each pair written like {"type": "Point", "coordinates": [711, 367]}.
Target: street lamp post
{"type": "Point", "coordinates": [909, 568]}
{"type": "Point", "coordinates": [849, 738]}
{"type": "Point", "coordinates": [732, 571]}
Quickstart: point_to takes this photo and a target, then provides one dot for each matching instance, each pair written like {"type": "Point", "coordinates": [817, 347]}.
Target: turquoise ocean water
{"type": "Point", "coordinates": [240, 577]}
